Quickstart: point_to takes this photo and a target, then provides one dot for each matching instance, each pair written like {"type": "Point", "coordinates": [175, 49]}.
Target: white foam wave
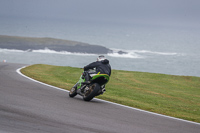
{"type": "Point", "coordinates": [138, 53]}
{"type": "Point", "coordinates": [119, 53]}
{"type": "Point", "coordinates": [154, 52]}
{"type": "Point", "coordinates": [46, 50]}
{"type": "Point", "coordinates": [125, 55]}
{"type": "Point", "coordinates": [10, 50]}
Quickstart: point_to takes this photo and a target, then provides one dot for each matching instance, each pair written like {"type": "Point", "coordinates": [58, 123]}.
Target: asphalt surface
{"type": "Point", "coordinates": [30, 107]}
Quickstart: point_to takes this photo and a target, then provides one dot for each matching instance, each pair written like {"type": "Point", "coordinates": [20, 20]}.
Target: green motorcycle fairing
{"type": "Point", "coordinates": [81, 80]}
{"type": "Point", "coordinates": [101, 79]}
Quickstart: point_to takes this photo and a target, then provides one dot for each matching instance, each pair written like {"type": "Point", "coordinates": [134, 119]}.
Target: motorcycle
{"type": "Point", "coordinates": [88, 90]}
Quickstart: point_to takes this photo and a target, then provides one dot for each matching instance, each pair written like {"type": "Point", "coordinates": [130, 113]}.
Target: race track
{"type": "Point", "coordinates": [27, 106]}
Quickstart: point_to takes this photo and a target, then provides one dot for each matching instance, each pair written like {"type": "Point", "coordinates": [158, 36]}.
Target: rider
{"type": "Point", "coordinates": [101, 66]}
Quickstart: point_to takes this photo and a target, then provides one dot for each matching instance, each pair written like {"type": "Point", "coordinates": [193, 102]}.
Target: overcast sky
{"type": "Point", "coordinates": [151, 11]}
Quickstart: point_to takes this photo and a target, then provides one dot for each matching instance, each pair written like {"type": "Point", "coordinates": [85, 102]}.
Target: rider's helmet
{"type": "Point", "coordinates": [101, 58]}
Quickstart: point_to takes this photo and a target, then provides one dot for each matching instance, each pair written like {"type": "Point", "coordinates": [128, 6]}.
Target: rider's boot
{"type": "Point", "coordinates": [87, 78]}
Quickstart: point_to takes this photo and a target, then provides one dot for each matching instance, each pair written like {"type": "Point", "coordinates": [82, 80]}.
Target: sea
{"type": "Point", "coordinates": [154, 48]}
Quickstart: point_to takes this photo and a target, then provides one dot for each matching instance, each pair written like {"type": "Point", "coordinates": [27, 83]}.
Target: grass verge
{"type": "Point", "coordinates": [177, 96]}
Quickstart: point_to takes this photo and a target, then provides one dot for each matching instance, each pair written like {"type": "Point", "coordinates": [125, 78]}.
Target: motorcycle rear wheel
{"type": "Point", "coordinates": [91, 92]}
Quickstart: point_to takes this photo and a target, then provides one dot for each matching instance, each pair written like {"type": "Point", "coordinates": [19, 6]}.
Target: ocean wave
{"type": "Point", "coordinates": [10, 50]}
{"type": "Point", "coordinates": [118, 53]}
{"type": "Point", "coordinates": [154, 52]}
{"type": "Point", "coordinates": [49, 51]}
{"type": "Point", "coordinates": [125, 55]}
{"type": "Point", "coordinates": [139, 53]}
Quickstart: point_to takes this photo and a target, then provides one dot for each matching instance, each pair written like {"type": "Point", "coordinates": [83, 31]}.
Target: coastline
{"type": "Point", "coordinates": [33, 43]}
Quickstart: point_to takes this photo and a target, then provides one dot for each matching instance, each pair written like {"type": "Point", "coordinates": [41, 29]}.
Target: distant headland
{"type": "Point", "coordinates": [33, 43]}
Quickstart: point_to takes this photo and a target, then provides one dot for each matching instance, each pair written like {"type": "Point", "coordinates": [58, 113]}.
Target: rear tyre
{"type": "Point", "coordinates": [72, 92]}
{"type": "Point", "coordinates": [91, 92]}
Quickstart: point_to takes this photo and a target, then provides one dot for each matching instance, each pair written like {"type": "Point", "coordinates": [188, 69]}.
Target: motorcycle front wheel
{"type": "Point", "coordinates": [91, 92]}
{"type": "Point", "coordinates": [72, 92]}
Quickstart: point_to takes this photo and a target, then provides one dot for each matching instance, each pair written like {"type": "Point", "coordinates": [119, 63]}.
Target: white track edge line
{"type": "Point", "coordinates": [19, 72]}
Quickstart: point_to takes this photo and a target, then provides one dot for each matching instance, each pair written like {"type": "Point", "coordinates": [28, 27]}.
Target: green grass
{"type": "Point", "coordinates": [177, 96]}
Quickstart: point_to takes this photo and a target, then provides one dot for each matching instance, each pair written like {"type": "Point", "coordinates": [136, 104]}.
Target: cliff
{"type": "Point", "coordinates": [32, 43]}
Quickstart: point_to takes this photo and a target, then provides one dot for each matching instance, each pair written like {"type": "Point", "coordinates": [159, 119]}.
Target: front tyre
{"type": "Point", "coordinates": [72, 92]}
{"type": "Point", "coordinates": [91, 92]}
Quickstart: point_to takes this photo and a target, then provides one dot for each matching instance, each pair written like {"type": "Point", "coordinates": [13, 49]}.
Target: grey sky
{"type": "Point", "coordinates": [152, 11]}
